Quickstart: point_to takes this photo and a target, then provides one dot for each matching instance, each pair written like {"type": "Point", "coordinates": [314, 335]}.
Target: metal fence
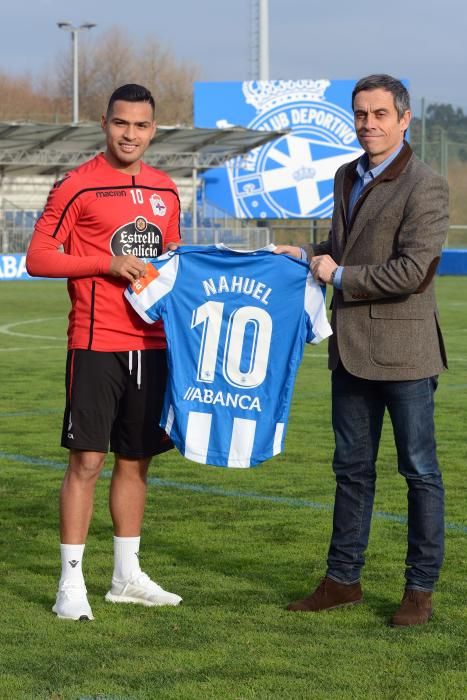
{"type": "Point", "coordinates": [457, 237]}
{"type": "Point", "coordinates": [15, 238]}
{"type": "Point", "coordinates": [241, 237]}
{"type": "Point", "coordinates": [17, 225]}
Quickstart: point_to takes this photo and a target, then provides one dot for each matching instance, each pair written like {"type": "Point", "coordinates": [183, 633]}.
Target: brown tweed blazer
{"type": "Point", "coordinates": [385, 319]}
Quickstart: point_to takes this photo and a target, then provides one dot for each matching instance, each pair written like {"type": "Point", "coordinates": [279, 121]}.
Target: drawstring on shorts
{"type": "Point", "coordinates": [138, 369]}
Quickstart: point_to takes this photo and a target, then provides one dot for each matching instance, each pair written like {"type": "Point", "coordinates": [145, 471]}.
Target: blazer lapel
{"type": "Point", "coordinates": [357, 223]}
{"type": "Point", "coordinates": [350, 175]}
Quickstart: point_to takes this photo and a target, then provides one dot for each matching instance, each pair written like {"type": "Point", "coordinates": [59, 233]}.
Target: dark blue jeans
{"type": "Point", "coordinates": [358, 407]}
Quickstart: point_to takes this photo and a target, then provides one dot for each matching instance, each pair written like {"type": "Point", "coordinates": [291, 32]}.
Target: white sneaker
{"type": "Point", "coordinates": [140, 589]}
{"type": "Point", "coordinates": [72, 602]}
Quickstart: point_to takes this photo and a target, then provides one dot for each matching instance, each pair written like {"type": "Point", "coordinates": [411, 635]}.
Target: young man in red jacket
{"type": "Point", "coordinates": [108, 214]}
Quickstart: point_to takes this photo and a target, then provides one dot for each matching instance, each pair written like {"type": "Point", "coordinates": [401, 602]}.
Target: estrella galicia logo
{"type": "Point", "coordinates": [292, 177]}
{"type": "Point", "coordinates": [139, 237]}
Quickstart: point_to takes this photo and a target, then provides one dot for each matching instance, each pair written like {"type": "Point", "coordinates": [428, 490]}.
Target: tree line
{"type": "Point", "coordinates": [111, 59]}
{"type": "Point", "coordinates": [105, 62]}
{"type": "Point", "coordinates": [443, 123]}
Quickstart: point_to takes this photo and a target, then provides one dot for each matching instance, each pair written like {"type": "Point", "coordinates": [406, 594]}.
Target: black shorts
{"type": "Point", "coordinates": [115, 399]}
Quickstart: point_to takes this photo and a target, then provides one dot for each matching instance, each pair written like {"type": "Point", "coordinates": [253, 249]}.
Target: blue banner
{"type": "Point", "coordinates": [292, 176]}
{"type": "Point", "coordinates": [13, 267]}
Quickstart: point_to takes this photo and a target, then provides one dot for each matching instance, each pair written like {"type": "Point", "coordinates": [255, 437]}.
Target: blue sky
{"type": "Point", "coordinates": [421, 40]}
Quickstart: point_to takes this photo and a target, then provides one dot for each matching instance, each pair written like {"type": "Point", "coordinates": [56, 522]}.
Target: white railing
{"type": "Point", "coordinates": [15, 239]}
{"type": "Point", "coordinates": [242, 237]}
{"type": "Point", "coordinates": [457, 236]}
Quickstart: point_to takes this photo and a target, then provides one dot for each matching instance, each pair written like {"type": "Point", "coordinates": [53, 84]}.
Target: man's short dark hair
{"type": "Point", "coordinates": [385, 82]}
{"type": "Point", "coordinates": [131, 93]}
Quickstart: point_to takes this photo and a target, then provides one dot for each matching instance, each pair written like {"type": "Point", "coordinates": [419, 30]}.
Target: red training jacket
{"type": "Point", "coordinates": [95, 212]}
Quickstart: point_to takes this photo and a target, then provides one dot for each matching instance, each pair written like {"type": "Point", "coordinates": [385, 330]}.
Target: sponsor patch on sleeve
{"type": "Point", "coordinates": [142, 282]}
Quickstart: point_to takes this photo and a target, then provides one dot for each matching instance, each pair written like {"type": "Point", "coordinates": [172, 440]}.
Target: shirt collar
{"type": "Point", "coordinates": [365, 173]}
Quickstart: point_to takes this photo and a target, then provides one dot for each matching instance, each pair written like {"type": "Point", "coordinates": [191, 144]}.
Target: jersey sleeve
{"type": "Point", "coordinates": [44, 259]}
{"type": "Point", "coordinates": [318, 327]}
{"type": "Point", "coordinates": [61, 212]}
{"type": "Point", "coordinates": [148, 295]}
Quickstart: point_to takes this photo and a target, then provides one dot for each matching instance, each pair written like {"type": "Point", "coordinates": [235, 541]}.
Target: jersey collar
{"type": "Point", "coordinates": [267, 248]}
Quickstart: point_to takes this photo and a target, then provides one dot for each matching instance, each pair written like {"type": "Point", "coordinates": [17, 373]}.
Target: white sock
{"type": "Point", "coordinates": [72, 559]}
{"type": "Point", "coordinates": [126, 562]}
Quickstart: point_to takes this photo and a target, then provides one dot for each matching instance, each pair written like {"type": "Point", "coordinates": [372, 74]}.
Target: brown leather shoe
{"type": "Point", "coordinates": [329, 595]}
{"type": "Point", "coordinates": [415, 609]}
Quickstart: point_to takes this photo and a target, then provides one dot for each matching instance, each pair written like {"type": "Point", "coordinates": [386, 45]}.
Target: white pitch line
{"type": "Point", "coordinates": [7, 326]}
{"type": "Point", "coordinates": [33, 348]}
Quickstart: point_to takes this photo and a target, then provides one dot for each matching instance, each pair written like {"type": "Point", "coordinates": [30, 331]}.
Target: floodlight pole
{"type": "Point", "coordinates": [194, 202]}
{"type": "Point", "coordinates": [3, 231]}
{"type": "Point", "coordinates": [259, 39]}
{"type": "Point", "coordinates": [263, 40]}
{"type": "Point", "coordinates": [68, 27]}
{"type": "Point", "coordinates": [74, 41]}
{"type": "Point", "coordinates": [423, 132]}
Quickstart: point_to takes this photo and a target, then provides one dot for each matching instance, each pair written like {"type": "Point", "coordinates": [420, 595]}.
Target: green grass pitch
{"type": "Point", "coordinates": [236, 544]}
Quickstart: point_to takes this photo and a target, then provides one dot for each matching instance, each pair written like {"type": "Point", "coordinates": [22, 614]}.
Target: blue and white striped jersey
{"type": "Point", "coordinates": [236, 325]}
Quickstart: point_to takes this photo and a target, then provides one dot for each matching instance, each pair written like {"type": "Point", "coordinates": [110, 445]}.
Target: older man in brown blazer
{"type": "Point", "coordinates": [389, 223]}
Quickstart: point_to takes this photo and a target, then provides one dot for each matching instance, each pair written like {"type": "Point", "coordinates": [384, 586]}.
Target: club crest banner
{"type": "Point", "coordinates": [291, 176]}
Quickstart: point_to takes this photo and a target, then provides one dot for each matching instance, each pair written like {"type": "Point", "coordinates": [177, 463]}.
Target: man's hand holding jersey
{"type": "Point", "coordinates": [128, 266]}
{"type": "Point", "coordinates": [294, 250]}
{"type": "Point", "coordinates": [321, 266]}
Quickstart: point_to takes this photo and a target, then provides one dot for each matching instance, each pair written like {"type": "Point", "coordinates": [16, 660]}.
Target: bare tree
{"type": "Point", "coordinates": [113, 60]}
{"type": "Point", "coordinates": [170, 83]}
{"type": "Point", "coordinates": [23, 100]}
{"type": "Point", "coordinates": [105, 62]}
{"type": "Point", "coordinates": [110, 62]}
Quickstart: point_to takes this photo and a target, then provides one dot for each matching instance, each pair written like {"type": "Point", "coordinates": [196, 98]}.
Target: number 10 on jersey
{"type": "Point", "coordinates": [259, 324]}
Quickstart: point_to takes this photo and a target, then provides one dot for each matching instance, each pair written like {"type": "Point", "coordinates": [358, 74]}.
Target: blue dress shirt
{"type": "Point", "coordinates": [365, 177]}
